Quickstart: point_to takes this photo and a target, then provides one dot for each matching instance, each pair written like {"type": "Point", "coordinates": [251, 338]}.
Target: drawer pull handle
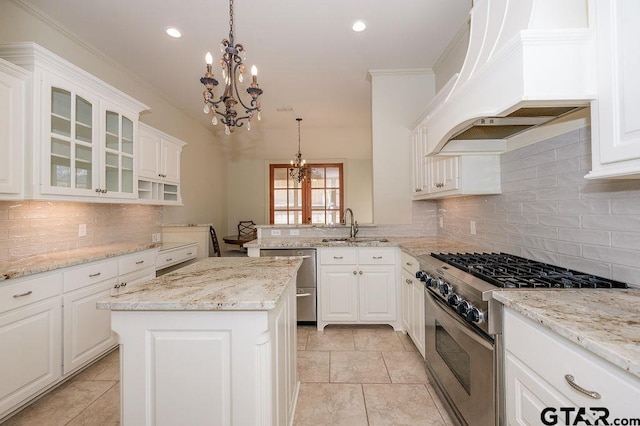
{"type": "Point", "coordinates": [337, 257]}
{"type": "Point", "coordinates": [408, 281]}
{"type": "Point", "coordinates": [189, 254]}
{"type": "Point", "coordinates": [117, 286]}
{"type": "Point", "coordinates": [139, 262]}
{"type": "Point", "coordinates": [571, 380]}
{"type": "Point", "coordinates": [377, 257]}
{"type": "Point", "coordinates": [15, 296]}
{"type": "Point", "coordinates": [169, 259]}
{"type": "Point", "coordinates": [94, 275]}
{"type": "Point", "coordinates": [409, 264]}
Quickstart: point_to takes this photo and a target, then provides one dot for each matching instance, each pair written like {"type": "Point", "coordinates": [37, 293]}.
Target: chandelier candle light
{"type": "Point", "coordinates": [299, 169]}
{"type": "Point", "coordinates": [232, 74]}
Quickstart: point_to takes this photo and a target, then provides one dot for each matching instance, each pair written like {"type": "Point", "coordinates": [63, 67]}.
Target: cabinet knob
{"type": "Point", "coordinates": [360, 272]}
{"type": "Point", "coordinates": [355, 273]}
{"type": "Point", "coordinates": [408, 281]}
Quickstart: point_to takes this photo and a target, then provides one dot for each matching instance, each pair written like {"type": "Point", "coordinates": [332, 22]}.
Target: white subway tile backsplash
{"type": "Point", "coordinates": [555, 215]}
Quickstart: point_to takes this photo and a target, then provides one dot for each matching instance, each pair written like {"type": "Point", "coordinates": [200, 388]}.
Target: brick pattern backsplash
{"type": "Point", "coordinates": [38, 227]}
{"type": "Point", "coordinates": [549, 212]}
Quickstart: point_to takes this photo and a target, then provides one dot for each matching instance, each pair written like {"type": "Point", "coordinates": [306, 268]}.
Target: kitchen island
{"type": "Point", "coordinates": [213, 343]}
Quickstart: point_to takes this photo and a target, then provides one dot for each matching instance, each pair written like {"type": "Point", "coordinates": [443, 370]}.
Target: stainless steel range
{"type": "Point", "coordinates": [463, 323]}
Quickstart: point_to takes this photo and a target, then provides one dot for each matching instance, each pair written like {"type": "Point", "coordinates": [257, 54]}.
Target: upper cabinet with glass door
{"type": "Point", "coordinates": [83, 130]}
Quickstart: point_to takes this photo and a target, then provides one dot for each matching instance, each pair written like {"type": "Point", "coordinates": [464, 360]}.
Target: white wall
{"type": "Point", "coordinates": [203, 166]}
{"type": "Point", "coordinates": [398, 98]}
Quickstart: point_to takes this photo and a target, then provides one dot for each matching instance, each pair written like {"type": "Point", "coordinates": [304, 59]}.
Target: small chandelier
{"type": "Point", "coordinates": [232, 73]}
{"type": "Point", "coordinates": [299, 169]}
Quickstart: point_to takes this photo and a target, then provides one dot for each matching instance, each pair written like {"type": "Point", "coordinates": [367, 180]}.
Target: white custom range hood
{"type": "Point", "coordinates": [528, 63]}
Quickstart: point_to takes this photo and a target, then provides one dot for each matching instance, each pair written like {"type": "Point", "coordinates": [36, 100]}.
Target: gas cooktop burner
{"type": "Point", "coordinates": [509, 271]}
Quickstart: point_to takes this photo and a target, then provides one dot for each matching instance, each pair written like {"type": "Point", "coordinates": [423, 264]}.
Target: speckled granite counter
{"type": "Point", "coordinates": [50, 261]}
{"type": "Point", "coordinates": [415, 246]}
{"type": "Point", "coordinates": [606, 322]}
{"type": "Point", "coordinates": [212, 284]}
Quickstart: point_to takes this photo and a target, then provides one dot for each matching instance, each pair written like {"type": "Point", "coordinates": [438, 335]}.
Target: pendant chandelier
{"type": "Point", "coordinates": [299, 169]}
{"type": "Point", "coordinates": [232, 74]}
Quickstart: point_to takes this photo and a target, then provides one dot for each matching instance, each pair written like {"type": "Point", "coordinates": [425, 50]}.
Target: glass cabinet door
{"type": "Point", "coordinates": [119, 154]}
{"type": "Point", "coordinates": [71, 153]}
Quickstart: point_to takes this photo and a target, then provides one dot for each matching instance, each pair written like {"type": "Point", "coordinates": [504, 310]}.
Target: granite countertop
{"type": "Point", "coordinates": [606, 322]}
{"type": "Point", "coordinates": [415, 246]}
{"type": "Point", "coordinates": [62, 259]}
{"type": "Point", "coordinates": [212, 284]}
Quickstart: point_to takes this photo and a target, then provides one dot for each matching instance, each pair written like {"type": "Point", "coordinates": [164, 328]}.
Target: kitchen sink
{"type": "Point", "coordinates": [355, 240]}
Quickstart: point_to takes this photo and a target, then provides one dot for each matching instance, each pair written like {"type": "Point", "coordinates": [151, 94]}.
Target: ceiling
{"type": "Point", "coordinates": [308, 57]}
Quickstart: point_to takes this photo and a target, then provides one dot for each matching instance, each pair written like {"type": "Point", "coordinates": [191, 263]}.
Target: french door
{"type": "Point", "coordinates": [318, 199]}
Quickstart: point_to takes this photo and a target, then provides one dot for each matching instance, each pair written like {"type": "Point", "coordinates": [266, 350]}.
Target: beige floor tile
{"type": "Point", "coordinates": [358, 367]}
{"type": "Point", "coordinates": [104, 412]}
{"type": "Point", "coordinates": [405, 367]}
{"type": "Point", "coordinates": [62, 404]}
{"type": "Point", "coordinates": [321, 404]}
{"type": "Point", "coordinates": [400, 404]}
{"type": "Point", "coordinates": [108, 368]}
{"type": "Point", "coordinates": [313, 366]}
{"type": "Point", "coordinates": [331, 340]}
{"type": "Point", "coordinates": [302, 336]}
{"type": "Point", "coordinates": [377, 339]}
{"type": "Point", "coordinates": [406, 341]}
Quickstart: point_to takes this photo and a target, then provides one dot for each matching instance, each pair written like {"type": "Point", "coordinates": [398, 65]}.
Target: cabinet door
{"type": "Point", "coordinates": [419, 140]}
{"type": "Point", "coordinates": [87, 330]}
{"type": "Point", "coordinates": [30, 349]}
{"type": "Point", "coordinates": [377, 289]}
{"type": "Point", "coordinates": [170, 161]}
{"type": "Point", "coordinates": [407, 301]}
{"type": "Point", "coordinates": [417, 315]}
{"type": "Point", "coordinates": [118, 157]}
{"type": "Point", "coordinates": [443, 173]}
{"type": "Point", "coordinates": [12, 122]}
{"type": "Point", "coordinates": [339, 293]}
{"type": "Point", "coordinates": [148, 155]}
{"type": "Point", "coordinates": [70, 150]}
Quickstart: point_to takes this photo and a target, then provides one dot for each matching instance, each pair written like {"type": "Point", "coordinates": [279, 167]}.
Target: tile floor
{"type": "Point", "coordinates": [349, 376]}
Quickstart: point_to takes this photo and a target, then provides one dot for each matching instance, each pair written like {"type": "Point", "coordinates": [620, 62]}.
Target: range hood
{"type": "Point", "coordinates": [529, 62]}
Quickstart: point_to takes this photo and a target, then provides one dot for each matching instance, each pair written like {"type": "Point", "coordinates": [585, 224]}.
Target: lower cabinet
{"type": "Point", "coordinates": [413, 320]}
{"type": "Point", "coordinates": [358, 285]}
{"type": "Point", "coordinates": [31, 351]}
{"type": "Point", "coordinates": [540, 367]}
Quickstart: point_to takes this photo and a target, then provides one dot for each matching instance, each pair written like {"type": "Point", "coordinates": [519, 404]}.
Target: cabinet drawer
{"type": "Point", "coordinates": [376, 256]}
{"type": "Point", "coordinates": [29, 290]}
{"type": "Point", "coordinates": [91, 273]}
{"type": "Point", "coordinates": [175, 256]}
{"type": "Point", "coordinates": [409, 263]}
{"type": "Point", "coordinates": [338, 256]}
{"type": "Point", "coordinates": [136, 261]}
{"type": "Point", "coordinates": [619, 390]}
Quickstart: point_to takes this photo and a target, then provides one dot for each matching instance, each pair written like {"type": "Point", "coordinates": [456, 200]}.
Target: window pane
{"type": "Point", "coordinates": [317, 198]}
{"type": "Point", "coordinates": [333, 199]}
{"type": "Point", "coordinates": [317, 177]}
{"type": "Point", "coordinates": [318, 216]}
{"type": "Point", "coordinates": [333, 217]}
{"type": "Point", "coordinates": [280, 218]}
{"type": "Point", "coordinates": [333, 177]}
{"type": "Point", "coordinates": [295, 198]}
{"type": "Point", "coordinates": [280, 178]}
{"type": "Point", "coordinates": [295, 217]}
{"type": "Point", "coordinates": [292, 182]}
{"type": "Point", "coordinates": [280, 198]}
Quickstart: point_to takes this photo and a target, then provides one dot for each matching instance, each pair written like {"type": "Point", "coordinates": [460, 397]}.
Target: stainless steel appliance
{"type": "Point", "coordinates": [306, 281]}
{"type": "Point", "coordinates": [463, 324]}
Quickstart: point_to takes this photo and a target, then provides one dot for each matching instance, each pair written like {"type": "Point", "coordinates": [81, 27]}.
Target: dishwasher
{"type": "Point", "coordinates": [306, 281]}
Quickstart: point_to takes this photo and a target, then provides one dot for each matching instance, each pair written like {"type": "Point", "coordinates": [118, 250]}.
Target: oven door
{"type": "Point", "coordinates": [460, 360]}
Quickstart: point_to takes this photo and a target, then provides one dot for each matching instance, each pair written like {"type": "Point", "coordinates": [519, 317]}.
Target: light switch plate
{"type": "Point", "coordinates": [472, 227]}
{"type": "Point", "coordinates": [82, 230]}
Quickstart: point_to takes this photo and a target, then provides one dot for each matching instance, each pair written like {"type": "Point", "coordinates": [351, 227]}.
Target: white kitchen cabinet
{"type": "Point", "coordinates": [453, 176]}
{"type": "Point", "coordinates": [87, 330]}
{"type": "Point", "coordinates": [12, 129]}
{"type": "Point", "coordinates": [30, 338]}
{"type": "Point", "coordinates": [534, 382]}
{"type": "Point", "coordinates": [135, 269]}
{"type": "Point", "coordinates": [83, 131]}
{"type": "Point", "coordinates": [615, 122]}
{"type": "Point", "coordinates": [413, 301]}
{"type": "Point", "coordinates": [420, 178]}
{"type": "Point", "coordinates": [358, 285]}
{"type": "Point", "coordinates": [176, 254]}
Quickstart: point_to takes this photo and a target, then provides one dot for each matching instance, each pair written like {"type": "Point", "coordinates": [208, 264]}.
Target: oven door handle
{"type": "Point", "coordinates": [461, 324]}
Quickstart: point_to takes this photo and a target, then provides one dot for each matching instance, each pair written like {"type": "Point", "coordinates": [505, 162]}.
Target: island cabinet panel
{"type": "Point", "coordinates": [209, 367]}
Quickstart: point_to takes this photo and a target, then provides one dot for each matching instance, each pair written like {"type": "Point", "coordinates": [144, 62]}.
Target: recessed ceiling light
{"type": "Point", "coordinates": [359, 25]}
{"type": "Point", "coordinates": [173, 32]}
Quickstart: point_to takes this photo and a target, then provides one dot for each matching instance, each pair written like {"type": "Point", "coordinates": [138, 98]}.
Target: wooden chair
{"type": "Point", "coordinates": [214, 239]}
{"type": "Point", "coordinates": [247, 228]}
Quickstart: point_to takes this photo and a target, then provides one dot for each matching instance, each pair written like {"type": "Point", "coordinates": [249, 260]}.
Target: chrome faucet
{"type": "Point", "coordinates": [353, 223]}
